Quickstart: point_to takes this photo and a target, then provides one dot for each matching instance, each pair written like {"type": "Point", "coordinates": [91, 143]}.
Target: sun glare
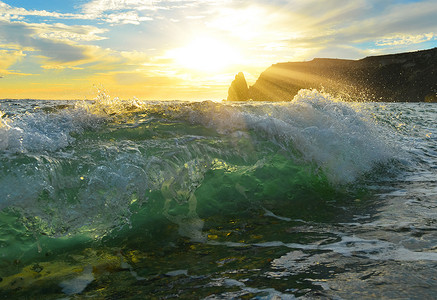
{"type": "Point", "coordinates": [205, 54]}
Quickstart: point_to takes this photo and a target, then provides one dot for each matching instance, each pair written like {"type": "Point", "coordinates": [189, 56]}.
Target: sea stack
{"type": "Point", "coordinates": [238, 91]}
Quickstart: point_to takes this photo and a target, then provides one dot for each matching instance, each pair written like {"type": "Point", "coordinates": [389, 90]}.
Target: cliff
{"type": "Point", "coordinates": [410, 77]}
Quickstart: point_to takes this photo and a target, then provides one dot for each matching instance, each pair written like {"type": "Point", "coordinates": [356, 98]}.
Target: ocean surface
{"type": "Point", "coordinates": [312, 198]}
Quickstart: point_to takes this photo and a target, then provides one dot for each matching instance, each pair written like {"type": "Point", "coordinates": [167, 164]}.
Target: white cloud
{"type": "Point", "coordinates": [130, 17]}
{"type": "Point", "coordinates": [98, 7]}
{"type": "Point", "coordinates": [137, 11]}
{"type": "Point", "coordinates": [405, 39]}
{"type": "Point", "coordinates": [62, 32]}
{"type": "Point", "coordinates": [8, 13]}
{"type": "Point", "coordinates": [121, 11]}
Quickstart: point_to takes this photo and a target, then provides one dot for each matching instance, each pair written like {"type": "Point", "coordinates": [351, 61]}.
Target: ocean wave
{"type": "Point", "coordinates": [82, 168]}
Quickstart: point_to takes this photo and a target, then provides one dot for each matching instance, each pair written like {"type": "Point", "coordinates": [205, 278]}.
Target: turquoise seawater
{"type": "Point", "coordinates": [112, 199]}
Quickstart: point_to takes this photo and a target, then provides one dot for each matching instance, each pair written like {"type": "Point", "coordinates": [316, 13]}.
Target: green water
{"type": "Point", "coordinates": [207, 200]}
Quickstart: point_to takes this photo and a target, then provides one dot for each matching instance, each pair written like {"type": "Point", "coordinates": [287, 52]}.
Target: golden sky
{"type": "Point", "coordinates": [182, 49]}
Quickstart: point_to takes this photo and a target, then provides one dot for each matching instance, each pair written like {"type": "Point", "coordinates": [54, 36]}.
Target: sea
{"type": "Point", "coordinates": [312, 198]}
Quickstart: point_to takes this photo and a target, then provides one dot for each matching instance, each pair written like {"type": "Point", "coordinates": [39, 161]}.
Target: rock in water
{"type": "Point", "coordinates": [238, 91]}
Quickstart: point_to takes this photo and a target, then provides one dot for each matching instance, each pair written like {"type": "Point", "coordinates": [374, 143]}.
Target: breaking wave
{"type": "Point", "coordinates": [90, 167]}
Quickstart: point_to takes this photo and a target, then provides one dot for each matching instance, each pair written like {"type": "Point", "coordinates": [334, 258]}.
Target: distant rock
{"type": "Point", "coordinates": [238, 91]}
{"type": "Point", "coordinates": [409, 77]}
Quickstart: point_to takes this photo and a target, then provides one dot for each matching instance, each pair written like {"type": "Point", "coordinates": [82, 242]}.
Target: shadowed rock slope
{"type": "Point", "coordinates": [409, 77]}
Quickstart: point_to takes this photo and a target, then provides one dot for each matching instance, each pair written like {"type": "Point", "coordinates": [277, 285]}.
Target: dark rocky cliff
{"type": "Point", "coordinates": [410, 77]}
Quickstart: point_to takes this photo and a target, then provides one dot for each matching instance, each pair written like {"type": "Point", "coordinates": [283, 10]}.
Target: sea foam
{"type": "Point", "coordinates": [334, 135]}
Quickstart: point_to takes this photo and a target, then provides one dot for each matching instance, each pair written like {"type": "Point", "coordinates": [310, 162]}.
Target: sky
{"type": "Point", "coordinates": [189, 50]}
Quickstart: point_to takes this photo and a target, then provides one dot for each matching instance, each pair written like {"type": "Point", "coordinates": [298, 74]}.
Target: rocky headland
{"type": "Point", "coordinates": [404, 77]}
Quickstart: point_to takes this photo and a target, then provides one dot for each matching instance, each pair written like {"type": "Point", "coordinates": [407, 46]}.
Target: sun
{"type": "Point", "coordinates": [205, 54]}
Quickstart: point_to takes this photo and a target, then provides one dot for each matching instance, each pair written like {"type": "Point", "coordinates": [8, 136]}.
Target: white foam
{"type": "Point", "coordinates": [355, 246]}
{"type": "Point", "coordinates": [41, 131]}
{"type": "Point", "coordinates": [335, 135]}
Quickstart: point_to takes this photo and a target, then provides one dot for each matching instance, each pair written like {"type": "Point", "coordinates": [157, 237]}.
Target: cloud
{"type": "Point", "coordinates": [135, 57]}
{"type": "Point", "coordinates": [100, 6]}
{"type": "Point", "coordinates": [8, 58]}
{"type": "Point", "coordinates": [59, 67]}
{"type": "Point", "coordinates": [57, 31]}
{"type": "Point", "coordinates": [126, 18]}
{"type": "Point", "coordinates": [245, 23]}
{"type": "Point", "coordinates": [62, 32]}
{"type": "Point", "coordinates": [58, 51]}
{"type": "Point", "coordinates": [405, 39]}
{"type": "Point", "coordinates": [138, 11]}
{"type": "Point", "coordinates": [8, 13]}
{"type": "Point", "coordinates": [25, 36]}
{"type": "Point", "coordinates": [363, 26]}
{"type": "Point", "coordinates": [120, 11]}
{"type": "Point", "coordinates": [413, 18]}
{"type": "Point", "coordinates": [110, 11]}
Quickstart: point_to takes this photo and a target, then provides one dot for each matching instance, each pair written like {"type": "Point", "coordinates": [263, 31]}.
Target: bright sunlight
{"type": "Point", "coordinates": [206, 55]}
